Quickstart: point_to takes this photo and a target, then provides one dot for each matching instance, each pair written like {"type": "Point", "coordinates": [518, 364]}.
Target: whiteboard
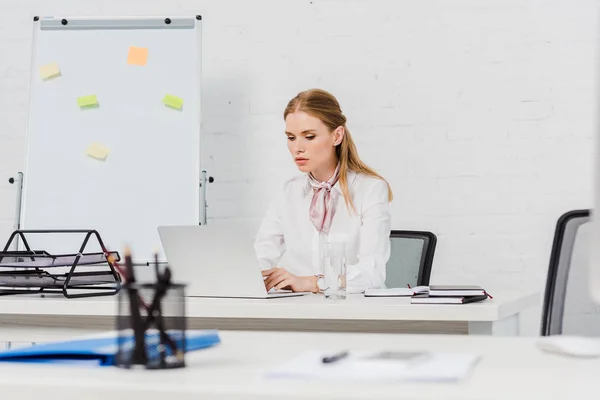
{"type": "Point", "coordinates": [151, 175]}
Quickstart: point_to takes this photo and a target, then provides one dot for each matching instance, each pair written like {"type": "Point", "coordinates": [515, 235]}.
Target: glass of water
{"type": "Point", "coordinates": [334, 270]}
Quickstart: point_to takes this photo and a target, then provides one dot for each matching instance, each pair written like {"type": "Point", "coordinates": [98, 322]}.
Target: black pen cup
{"type": "Point", "coordinates": [154, 336]}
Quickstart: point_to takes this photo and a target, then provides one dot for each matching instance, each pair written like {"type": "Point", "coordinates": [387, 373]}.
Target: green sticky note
{"type": "Point", "coordinates": [87, 101]}
{"type": "Point", "coordinates": [173, 101]}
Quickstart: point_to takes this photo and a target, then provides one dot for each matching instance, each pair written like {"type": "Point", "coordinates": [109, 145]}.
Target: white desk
{"type": "Point", "coordinates": [510, 368]}
{"type": "Point", "coordinates": [497, 316]}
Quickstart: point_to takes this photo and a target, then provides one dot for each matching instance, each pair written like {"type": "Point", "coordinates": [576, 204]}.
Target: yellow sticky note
{"type": "Point", "coordinates": [97, 151]}
{"type": "Point", "coordinates": [137, 56]}
{"type": "Point", "coordinates": [49, 71]}
{"type": "Point", "coordinates": [173, 101]}
{"type": "Point", "coordinates": [87, 101]}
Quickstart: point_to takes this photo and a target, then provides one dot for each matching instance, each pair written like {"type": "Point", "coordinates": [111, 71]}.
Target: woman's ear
{"type": "Point", "coordinates": [338, 134]}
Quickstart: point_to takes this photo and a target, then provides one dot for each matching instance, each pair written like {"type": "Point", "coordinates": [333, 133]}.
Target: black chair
{"type": "Point", "coordinates": [411, 258]}
{"type": "Point", "coordinates": [568, 307]}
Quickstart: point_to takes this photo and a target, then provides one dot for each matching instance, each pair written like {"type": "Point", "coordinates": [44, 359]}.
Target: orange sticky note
{"type": "Point", "coordinates": [137, 56]}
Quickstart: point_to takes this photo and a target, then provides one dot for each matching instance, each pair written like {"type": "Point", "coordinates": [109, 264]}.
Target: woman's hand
{"type": "Point", "coordinates": [279, 278]}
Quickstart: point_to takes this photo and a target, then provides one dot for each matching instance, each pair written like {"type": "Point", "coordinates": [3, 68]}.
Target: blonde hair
{"type": "Point", "coordinates": [324, 106]}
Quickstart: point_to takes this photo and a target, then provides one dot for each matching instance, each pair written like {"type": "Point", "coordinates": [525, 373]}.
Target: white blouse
{"type": "Point", "coordinates": [288, 239]}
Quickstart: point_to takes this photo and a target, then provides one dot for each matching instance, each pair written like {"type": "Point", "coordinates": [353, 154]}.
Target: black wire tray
{"type": "Point", "coordinates": [74, 275]}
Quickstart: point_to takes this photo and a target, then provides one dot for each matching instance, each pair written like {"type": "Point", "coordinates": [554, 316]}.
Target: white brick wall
{"type": "Point", "coordinates": [479, 112]}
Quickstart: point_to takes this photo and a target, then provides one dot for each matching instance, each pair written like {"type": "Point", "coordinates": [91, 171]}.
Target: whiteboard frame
{"type": "Point", "coordinates": [113, 22]}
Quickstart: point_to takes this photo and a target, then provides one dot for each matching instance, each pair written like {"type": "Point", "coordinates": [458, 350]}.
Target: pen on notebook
{"type": "Point", "coordinates": [334, 358]}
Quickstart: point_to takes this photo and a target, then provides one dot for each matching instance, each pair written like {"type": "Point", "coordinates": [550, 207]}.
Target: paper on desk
{"type": "Point", "coordinates": [570, 345]}
{"type": "Point", "coordinates": [437, 367]}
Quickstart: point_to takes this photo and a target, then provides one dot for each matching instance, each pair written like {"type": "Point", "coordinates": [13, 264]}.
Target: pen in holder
{"type": "Point", "coordinates": [151, 322]}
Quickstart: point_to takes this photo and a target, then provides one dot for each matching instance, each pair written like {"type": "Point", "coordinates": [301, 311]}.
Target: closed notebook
{"type": "Point", "coordinates": [427, 299]}
{"type": "Point", "coordinates": [456, 290]}
{"type": "Point", "coordinates": [396, 292]}
{"type": "Point", "coordinates": [100, 350]}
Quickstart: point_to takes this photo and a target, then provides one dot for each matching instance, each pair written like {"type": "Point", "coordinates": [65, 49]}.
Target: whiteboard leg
{"type": "Point", "coordinates": [203, 182]}
{"type": "Point", "coordinates": [19, 182]}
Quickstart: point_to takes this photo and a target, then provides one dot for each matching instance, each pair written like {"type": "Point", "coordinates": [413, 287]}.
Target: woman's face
{"type": "Point", "coordinates": [311, 143]}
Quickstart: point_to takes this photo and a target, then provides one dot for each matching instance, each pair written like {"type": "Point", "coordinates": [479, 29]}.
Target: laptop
{"type": "Point", "coordinates": [216, 260]}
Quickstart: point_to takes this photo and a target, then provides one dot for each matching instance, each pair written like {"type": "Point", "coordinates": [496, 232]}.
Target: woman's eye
{"type": "Point", "coordinates": [310, 137]}
{"type": "Point", "coordinates": [290, 138]}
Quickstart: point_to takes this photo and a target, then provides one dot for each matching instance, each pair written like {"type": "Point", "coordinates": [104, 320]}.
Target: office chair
{"type": "Point", "coordinates": [410, 260]}
{"type": "Point", "coordinates": [568, 306]}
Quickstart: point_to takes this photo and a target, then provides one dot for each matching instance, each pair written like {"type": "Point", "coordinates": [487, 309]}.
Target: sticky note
{"type": "Point", "coordinates": [87, 101]}
{"type": "Point", "coordinates": [173, 101]}
{"type": "Point", "coordinates": [49, 71]}
{"type": "Point", "coordinates": [97, 151]}
{"type": "Point", "coordinates": [137, 56]}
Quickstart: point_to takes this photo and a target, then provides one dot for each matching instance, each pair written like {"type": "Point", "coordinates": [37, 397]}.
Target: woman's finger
{"type": "Point", "coordinates": [285, 283]}
{"type": "Point", "coordinates": [271, 281]}
{"type": "Point", "coordinates": [268, 272]}
{"type": "Point", "coordinates": [274, 283]}
{"type": "Point", "coordinates": [275, 272]}
{"type": "Point", "coordinates": [275, 278]}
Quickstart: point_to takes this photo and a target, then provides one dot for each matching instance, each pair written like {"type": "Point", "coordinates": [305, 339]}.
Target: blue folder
{"type": "Point", "coordinates": [97, 351]}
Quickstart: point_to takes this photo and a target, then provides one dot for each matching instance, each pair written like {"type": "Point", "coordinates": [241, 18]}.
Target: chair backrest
{"type": "Point", "coordinates": [568, 306]}
{"type": "Point", "coordinates": [410, 260]}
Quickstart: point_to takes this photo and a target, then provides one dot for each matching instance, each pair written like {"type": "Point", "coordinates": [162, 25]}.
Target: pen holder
{"type": "Point", "coordinates": [154, 336]}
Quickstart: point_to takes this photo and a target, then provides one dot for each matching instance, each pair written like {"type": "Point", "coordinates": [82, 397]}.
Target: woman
{"type": "Point", "coordinates": [337, 196]}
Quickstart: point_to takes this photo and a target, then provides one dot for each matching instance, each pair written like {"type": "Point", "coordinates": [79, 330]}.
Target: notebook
{"type": "Point", "coordinates": [98, 350]}
{"type": "Point", "coordinates": [396, 292]}
{"type": "Point", "coordinates": [428, 299]}
{"type": "Point", "coordinates": [456, 290]}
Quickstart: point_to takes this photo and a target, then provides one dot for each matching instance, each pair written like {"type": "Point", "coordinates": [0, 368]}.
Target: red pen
{"type": "Point", "coordinates": [408, 284]}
